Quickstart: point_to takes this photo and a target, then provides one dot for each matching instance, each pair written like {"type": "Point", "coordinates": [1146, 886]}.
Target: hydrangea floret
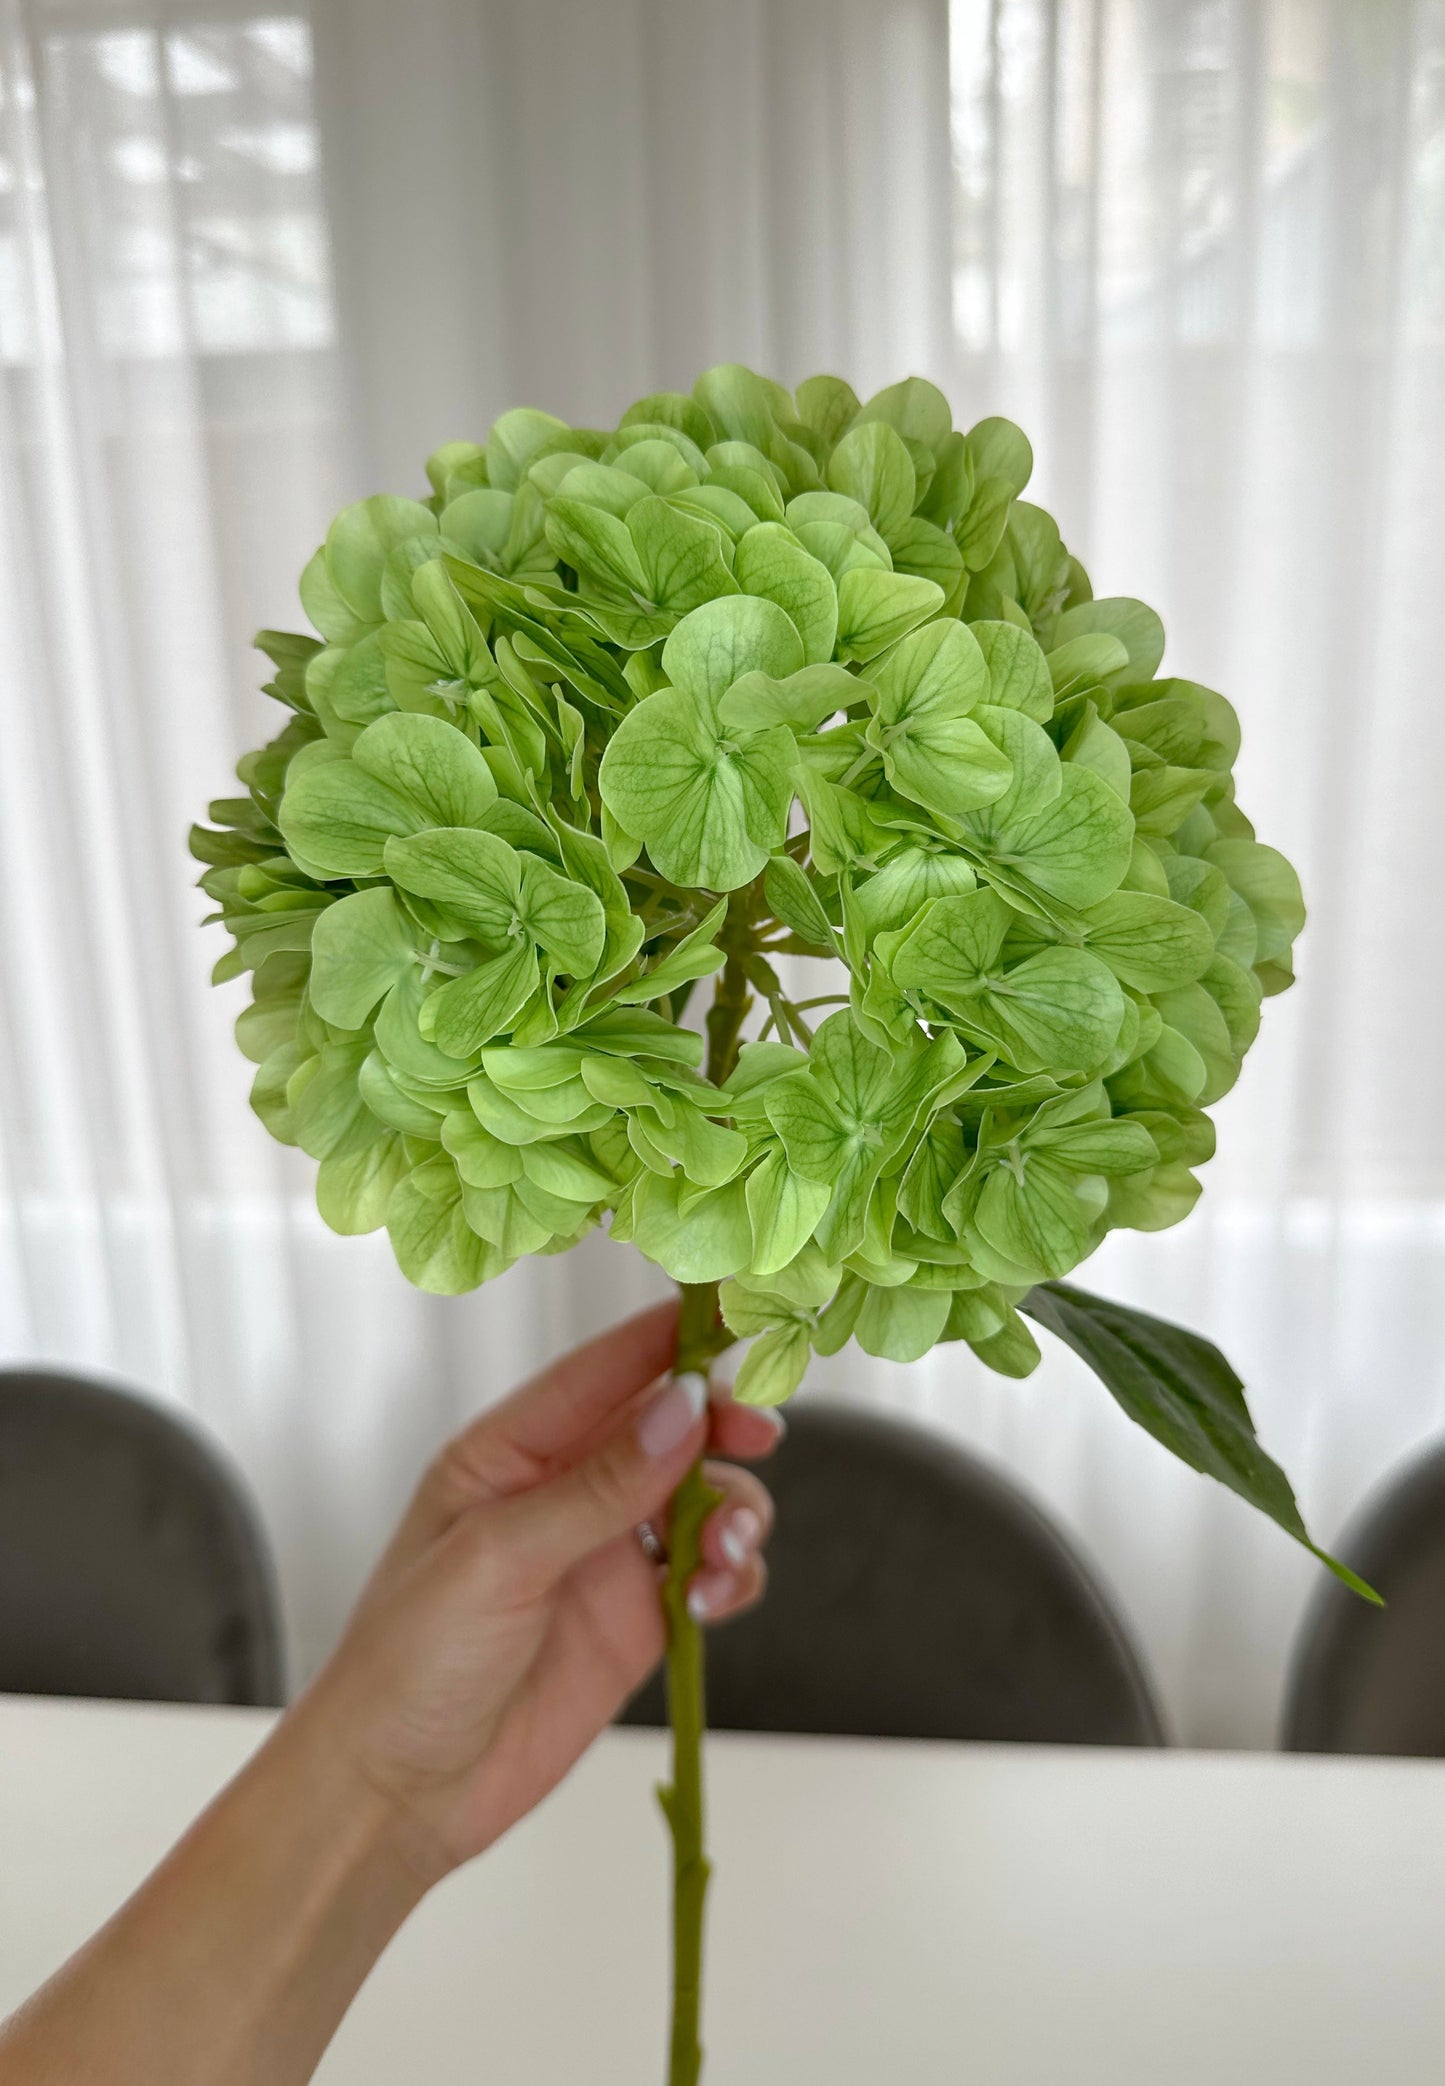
{"type": "Point", "coordinates": [757, 686]}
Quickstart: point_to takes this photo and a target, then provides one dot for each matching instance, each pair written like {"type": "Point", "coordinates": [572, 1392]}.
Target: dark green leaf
{"type": "Point", "coordinates": [1180, 1389]}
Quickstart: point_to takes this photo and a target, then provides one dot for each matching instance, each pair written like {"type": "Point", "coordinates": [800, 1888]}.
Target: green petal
{"type": "Point", "coordinates": [1076, 849]}
{"type": "Point", "coordinates": [937, 671]}
{"type": "Point", "coordinates": [871, 465]}
{"type": "Point", "coordinates": [900, 1325]}
{"type": "Point", "coordinates": [914, 408]}
{"type": "Point", "coordinates": [949, 765]}
{"type": "Point", "coordinates": [336, 819]}
{"type": "Point", "coordinates": [1095, 745]}
{"type": "Point", "coordinates": [905, 884]}
{"type": "Point", "coordinates": [681, 557]}
{"type": "Point", "coordinates": [361, 539]}
{"type": "Point", "coordinates": [1041, 1221]}
{"type": "Point", "coordinates": [1133, 623]}
{"type": "Point", "coordinates": [1057, 1011]}
{"type": "Point", "coordinates": [814, 1137]}
{"type": "Point", "coordinates": [516, 438]}
{"type": "Point", "coordinates": [773, 1366]}
{"type": "Point", "coordinates": [703, 1239]}
{"type": "Point", "coordinates": [391, 1103]}
{"type": "Point", "coordinates": [326, 1104]}
{"type": "Point", "coordinates": [326, 606]}
{"type": "Point", "coordinates": [354, 1188]}
{"type": "Point", "coordinates": [876, 607]}
{"type": "Point", "coordinates": [856, 1072]}
{"type": "Point", "coordinates": [954, 946]}
{"type": "Point", "coordinates": [827, 404]}
{"type": "Point", "coordinates": [739, 403]}
{"type": "Point", "coordinates": [718, 643]}
{"type": "Point", "coordinates": [981, 528]}
{"type": "Point", "coordinates": [432, 765]}
{"type": "Point", "coordinates": [772, 564]}
{"type": "Point", "coordinates": [784, 1208]}
{"type": "Point", "coordinates": [360, 948]}
{"type": "Point", "coordinates": [789, 891]}
{"type": "Point", "coordinates": [803, 701]}
{"type": "Point", "coordinates": [672, 409]}
{"type": "Point", "coordinates": [842, 1225]}
{"type": "Point", "coordinates": [1269, 887]}
{"type": "Point", "coordinates": [596, 543]}
{"type": "Point", "coordinates": [1018, 672]}
{"type": "Point", "coordinates": [478, 523]}
{"type": "Point", "coordinates": [400, 1040]}
{"type": "Point", "coordinates": [1037, 770]}
{"type": "Point", "coordinates": [562, 917]}
{"type": "Point", "coordinates": [475, 877]}
{"type": "Point", "coordinates": [434, 1245]}
{"type": "Point", "coordinates": [998, 449]}
{"type": "Point", "coordinates": [468, 1011]}
{"type": "Point", "coordinates": [1149, 943]}
{"type": "Point", "coordinates": [927, 552]}
{"type": "Point", "coordinates": [710, 814]}
{"type": "Point", "coordinates": [360, 684]}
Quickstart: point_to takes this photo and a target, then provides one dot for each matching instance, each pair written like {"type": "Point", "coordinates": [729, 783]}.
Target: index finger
{"type": "Point", "coordinates": [564, 1404]}
{"type": "Point", "coordinates": [542, 1426]}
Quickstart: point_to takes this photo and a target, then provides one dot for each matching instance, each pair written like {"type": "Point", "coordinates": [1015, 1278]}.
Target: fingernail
{"type": "Point", "coordinates": [741, 1533]}
{"type": "Point", "coordinates": [709, 1594]}
{"type": "Point", "coordinates": [672, 1416]}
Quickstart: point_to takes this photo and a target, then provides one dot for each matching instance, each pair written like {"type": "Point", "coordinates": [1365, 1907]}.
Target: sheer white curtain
{"type": "Point", "coordinates": [253, 264]}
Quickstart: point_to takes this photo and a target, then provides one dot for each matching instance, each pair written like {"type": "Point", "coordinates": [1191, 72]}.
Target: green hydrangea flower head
{"type": "Point", "coordinates": [756, 675]}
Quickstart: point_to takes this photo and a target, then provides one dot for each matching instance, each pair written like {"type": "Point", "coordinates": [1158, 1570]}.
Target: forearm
{"type": "Point", "coordinates": [235, 1961]}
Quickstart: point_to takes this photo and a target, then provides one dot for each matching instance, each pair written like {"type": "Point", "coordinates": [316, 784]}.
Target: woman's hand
{"type": "Point", "coordinates": [512, 1614]}
{"type": "Point", "coordinates": [515, 1609]}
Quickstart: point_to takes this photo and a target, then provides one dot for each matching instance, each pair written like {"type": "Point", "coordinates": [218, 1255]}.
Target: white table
{"type": "Point", "coordinates": [925, 1915]}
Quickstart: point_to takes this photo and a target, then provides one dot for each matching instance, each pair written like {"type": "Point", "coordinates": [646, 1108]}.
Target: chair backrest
{"type": "Point", "coordinates": [1372, 1680]}
{"type": "Point", "coordinates": [913, 1593]}
{"type": "Point", "coordinates": [131, 1563]}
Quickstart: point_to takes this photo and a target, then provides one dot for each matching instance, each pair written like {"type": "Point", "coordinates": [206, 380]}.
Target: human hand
{"type": "Point", "coordinates": [514, 1611]}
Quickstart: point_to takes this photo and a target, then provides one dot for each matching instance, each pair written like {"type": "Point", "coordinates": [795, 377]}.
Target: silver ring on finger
{"type": "Point", "coordinates": [651, 1544]}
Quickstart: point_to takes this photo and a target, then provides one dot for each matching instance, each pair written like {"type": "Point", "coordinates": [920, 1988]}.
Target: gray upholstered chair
{"type": "Point", "coordinates": [1372, 1680]}
{"type": "Point", "coordinates": [916, 1594]}
{"type": "Point", "coordinates": [131, 1562]}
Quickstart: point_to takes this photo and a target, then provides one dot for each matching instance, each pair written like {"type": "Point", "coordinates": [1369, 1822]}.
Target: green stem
{"type": "Point", "coordinates": [731, 999]}
{"type": "Point", "coordinates": [682, 1798]}
{"type": "Point", "coordinates": [699, 1337]}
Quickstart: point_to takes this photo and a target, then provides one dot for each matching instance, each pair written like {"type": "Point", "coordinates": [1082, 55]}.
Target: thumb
{"type": "Point", "coordinates": [545, 1532]}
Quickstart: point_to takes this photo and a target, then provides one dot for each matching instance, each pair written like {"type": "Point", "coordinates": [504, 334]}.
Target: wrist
{"type": "Point", "coordinates": [362, 1839]}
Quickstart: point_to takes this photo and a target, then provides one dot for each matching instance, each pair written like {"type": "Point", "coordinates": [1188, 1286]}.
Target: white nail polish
{"type": "Point", "coordinates": [740, 1534]}
{"type": "Point", "coordinates": [694, 1383]}
{"type": "Point", "coordinates": [672, 1415]}
{"type": "Point", "coordinates": [699, 1607]}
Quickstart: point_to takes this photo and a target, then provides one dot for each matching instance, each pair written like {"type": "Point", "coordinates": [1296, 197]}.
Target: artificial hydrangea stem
{"type": "Point", "coordinates": [682, 1798]}
{"type": "Point", "coordinates": [700, 1335]}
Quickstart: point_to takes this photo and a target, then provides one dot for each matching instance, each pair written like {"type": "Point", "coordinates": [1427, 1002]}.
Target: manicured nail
{"type": "Point", "coordinates": [709, 1594]}
{"type": "Point", "coordinates": [672, 1416]}
{"type": "Point", "coordinates": [741, 1533]}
